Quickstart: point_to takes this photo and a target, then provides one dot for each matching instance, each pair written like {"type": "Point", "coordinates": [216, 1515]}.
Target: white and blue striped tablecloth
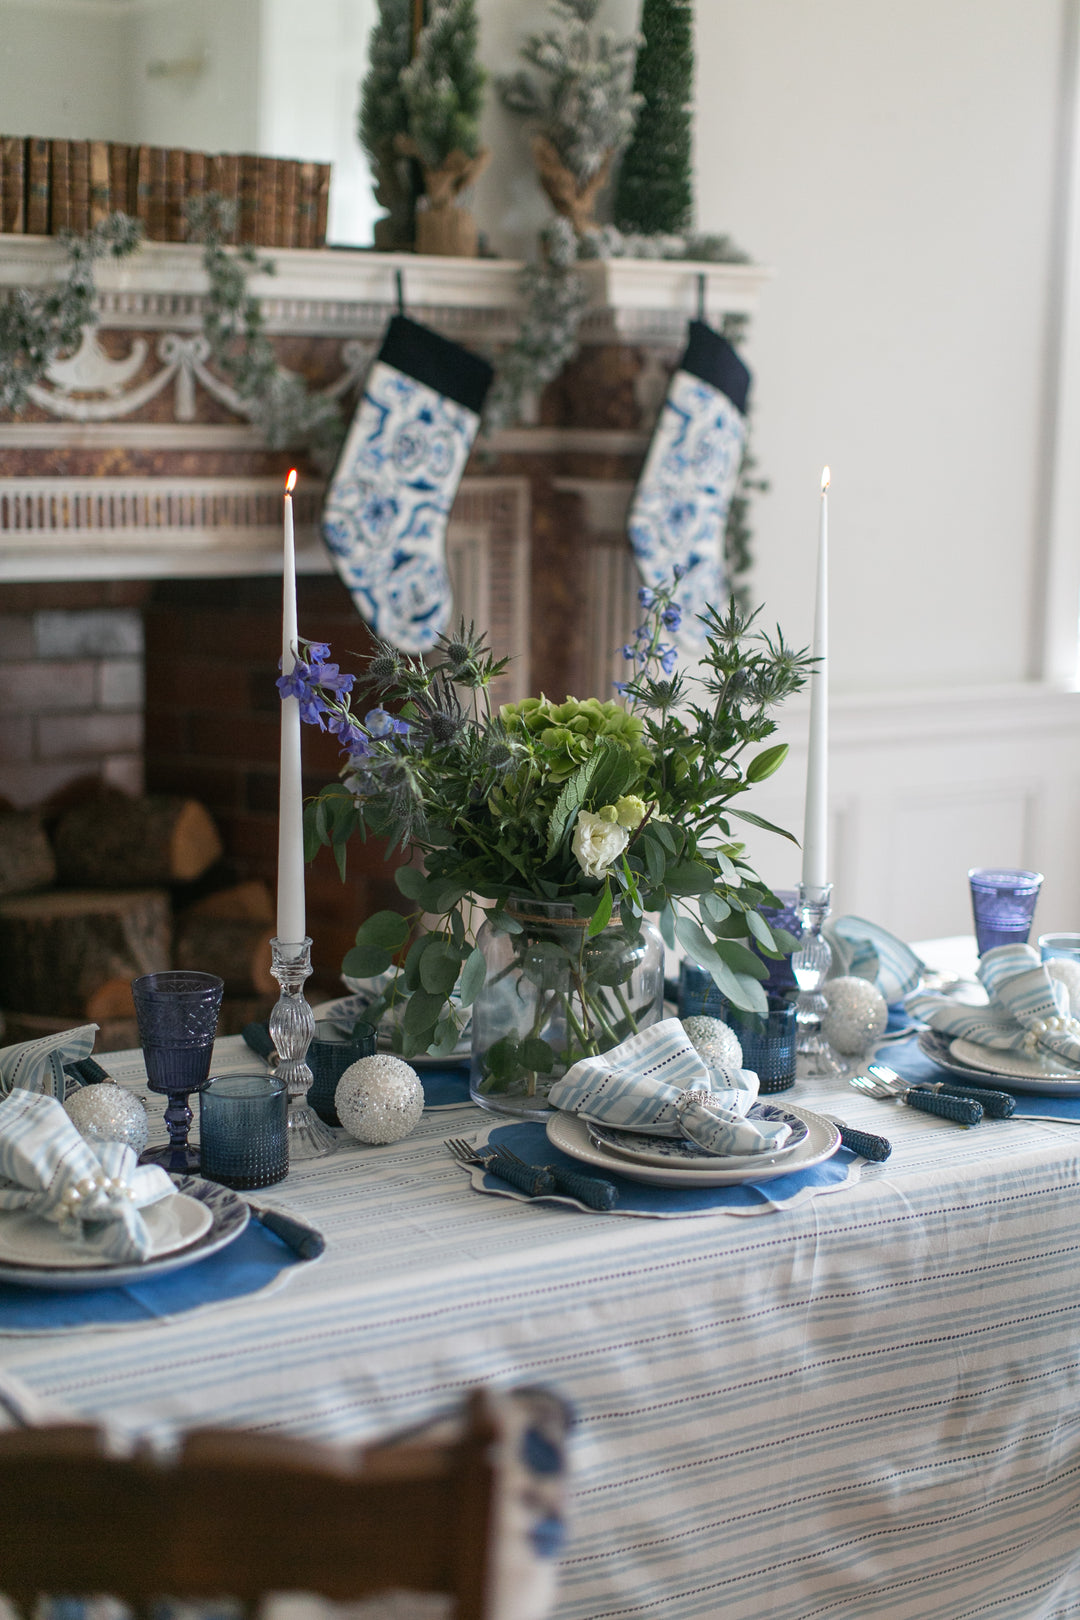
{"type": "Point", "coordinates": [864, 1405]}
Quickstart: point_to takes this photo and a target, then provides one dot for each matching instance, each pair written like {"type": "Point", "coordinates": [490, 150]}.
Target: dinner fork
{"type": "Point", "coordinates": [994, 1104]}
{"type": "Point", "coordinates": [960, 1109]}
{"type": "Point", "coordinates": [537, 1183]}
{"type": "Point", "coordinates": [590, 1190]}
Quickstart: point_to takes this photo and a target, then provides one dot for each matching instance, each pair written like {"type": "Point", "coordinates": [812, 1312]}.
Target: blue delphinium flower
{"type": "Point", "coordinates": [646, 597]}
{"type": "Point", "coordinates": [671, 618]}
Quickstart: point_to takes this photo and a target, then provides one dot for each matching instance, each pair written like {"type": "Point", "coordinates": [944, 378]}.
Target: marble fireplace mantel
{"type": "Point", "coordinates": [135, 459]}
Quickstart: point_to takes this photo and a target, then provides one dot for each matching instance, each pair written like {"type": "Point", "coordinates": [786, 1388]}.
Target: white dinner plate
{"type": "Point", "coordinates": [671, 1151]}
{"type": "Point", "coordinates": [229, 1215]}
{"type": "Point", "coordinates": [173, 1222]}
{"type": "Point", "coordinates": [938, 1048]}
{"type": "Point", "coordinates": [570, 1134]}
{"type": "Point", "coordinates": [1013, 1064]}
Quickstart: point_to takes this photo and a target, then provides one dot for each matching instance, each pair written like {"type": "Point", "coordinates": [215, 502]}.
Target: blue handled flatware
{"type": "Point", "coordinates": [593, 1191]}
{"type": "Point", "coordinates": [994, 1104]}
{"type": "Point", "coordinates": [961, 1110]}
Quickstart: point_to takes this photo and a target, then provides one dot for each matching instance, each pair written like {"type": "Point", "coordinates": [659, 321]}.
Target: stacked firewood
{"type": "Point", "coordinates": [112, 888]}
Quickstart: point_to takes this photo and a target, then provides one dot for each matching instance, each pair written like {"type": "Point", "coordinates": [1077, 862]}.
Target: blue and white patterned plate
{"type": "Point", "coordinates": [229, 1216]}
{"type": "Point", "coordinates": [677, 1151]}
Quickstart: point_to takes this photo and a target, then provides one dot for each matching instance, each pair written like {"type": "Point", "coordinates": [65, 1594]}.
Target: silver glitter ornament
{"type": "Point", "coordinates": [379, 1099]}
{"type": "Point", "coordinates": [857, 1015]}
{"type": "Point", "coordinates": [1067, 972]}
{"type": "Point", "coordinates": [106, 1112]}
{"type": "Point", "coordinates": [718, 1045]}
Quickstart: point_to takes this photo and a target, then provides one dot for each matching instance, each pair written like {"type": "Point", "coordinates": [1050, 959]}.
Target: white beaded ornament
{"type": "Point", "coordinates": [105, 1112]}
{"type": "Point", "coordinates": [717, 1044]}
{"type": "Point", "coordinates": [379, 1099]}
{"type": "Point", "coordinates": [1067, 972]}
{"type": "Point", "coordinates": [857, 1015]}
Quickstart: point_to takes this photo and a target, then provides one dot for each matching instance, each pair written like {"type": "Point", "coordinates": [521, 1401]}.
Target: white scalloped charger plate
{"type": "Point", "coordinates": [173, 1222]}
{"type": "Point", "coordinates": [570, 1134]}
{"type": "Point", "coordinates": [229, 1216]}
{"type": "Point", "coordinates": [669, 1151]}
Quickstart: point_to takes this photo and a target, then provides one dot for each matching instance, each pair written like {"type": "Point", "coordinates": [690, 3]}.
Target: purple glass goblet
{"type": "Point", "coordinates": [177, 1014]}
{"type": "Point", "coordinates": [1003, 903]}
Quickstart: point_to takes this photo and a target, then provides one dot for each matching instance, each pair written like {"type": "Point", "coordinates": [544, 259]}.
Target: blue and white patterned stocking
{"type": "Point", "coordinates": [680, 506]}
{"type": "Point", "coordinates": [390, 496]}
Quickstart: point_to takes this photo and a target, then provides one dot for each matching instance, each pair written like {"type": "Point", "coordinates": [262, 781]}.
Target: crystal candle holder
{"type": "Point", "coordinates": [810, 963]}
{"type": "Point", "coordinates": [292, 1025]}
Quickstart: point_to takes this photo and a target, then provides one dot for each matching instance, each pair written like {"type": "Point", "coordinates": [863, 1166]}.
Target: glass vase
{"type": "Point", "coordinates": [552, 995]}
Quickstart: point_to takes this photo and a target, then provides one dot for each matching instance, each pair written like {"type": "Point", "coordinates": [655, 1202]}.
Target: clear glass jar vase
{"type": "Point", "coordinates": [552, 996]}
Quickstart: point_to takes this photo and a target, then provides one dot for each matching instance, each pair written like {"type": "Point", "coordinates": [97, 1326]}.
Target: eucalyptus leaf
{"type": "Point", "coordinates": [365, 961]}
{"type": "Point", "coordinates": [422, 1012]}
{"type": "Point", "coordinates": [714, 908]}
{"type": "Point", "coordinates": [473, 975]}
{"type": "Point", "coordinates": [386, 929]}
{"type": "Point", "coordinates": [411, 881]}
{"type": "Point", "coordinates": [761, 930]}
{"type": "Point", "coordinates": [439, 968]}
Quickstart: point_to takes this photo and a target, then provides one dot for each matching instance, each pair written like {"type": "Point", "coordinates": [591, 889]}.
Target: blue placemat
{"type": "Point", "coordinates": [913, 1064]}
{"type": "Point", "coordinates": [447, 1087]}
{"type": "Point", "coordinates": [255, 1260]}
{"type": "Point", "coordinates": [530, 1142]}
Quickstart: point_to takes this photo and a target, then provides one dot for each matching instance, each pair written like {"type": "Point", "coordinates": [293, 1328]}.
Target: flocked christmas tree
{"type": "Point", "coordinates": [443, 89]}
{"type": "Point", "coordinates": [582, 108]}
{"type": "Point", "coordinates": [654, 192]}
{"type": "Point", "coordinates": [384, 118]}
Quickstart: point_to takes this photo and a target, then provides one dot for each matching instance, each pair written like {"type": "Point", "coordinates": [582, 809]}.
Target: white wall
{"type": "Point", "coordinates": [62, 69]}
{"type": "Point", "coordinates": [213, 110]}
{"type": "Point", "coordinates": [895, 164]}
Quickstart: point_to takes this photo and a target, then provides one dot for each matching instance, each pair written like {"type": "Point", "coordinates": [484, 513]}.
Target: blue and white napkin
{"type": "Point", "coordinates": [1029, 1010]}
{"type": "Point", "coordinates": [640, 1084]}
{"type": "Point", "coordinates": [93, 1191]}
{"type": "Point", "coordinates": [38, 1065]}
{"type": "Point", "coordinates": [866, 951]}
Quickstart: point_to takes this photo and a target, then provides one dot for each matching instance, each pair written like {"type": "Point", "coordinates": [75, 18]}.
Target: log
{"type": "Point", "coordinates": [59, 947]}
{"type": "Point", "coordinates": [243, 900]}
{"type": "Point", "coordinates": [113, 999]}
{"type": "Point", "coordinates": [26, 857]}
{"type": "Point", "coordinates": [237, 949]}
{"type": "Point", "coordinates": [111, 841]}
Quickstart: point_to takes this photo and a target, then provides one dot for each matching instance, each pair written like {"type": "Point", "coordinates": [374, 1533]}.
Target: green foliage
{"type": "Point", "coordinates": [593, 804]}
{"type": "Point", "coordinates": [582, 101]}
{"type": "Point", "coordinates": [384, 115]}
{"type": "Point", "coordinates": [37, 326]}
{"type": "Point", "coordinates": [554, 300]}
{"type": "Point", "coordinates": [654, 192]}
{"type": "Point", "coordinates": [443, 85]}
{"type": "Point", "coordinates": [278, 402]}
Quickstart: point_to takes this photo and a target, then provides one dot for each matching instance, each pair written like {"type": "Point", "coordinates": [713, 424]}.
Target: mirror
{"type": "Point", "coordinates": [281, 77]}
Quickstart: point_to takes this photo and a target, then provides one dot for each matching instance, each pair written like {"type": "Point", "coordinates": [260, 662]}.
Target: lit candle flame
{"type": "Point", "coordinates": [290, 482]}
{"type": "Point", "coordinates": [825, 479]}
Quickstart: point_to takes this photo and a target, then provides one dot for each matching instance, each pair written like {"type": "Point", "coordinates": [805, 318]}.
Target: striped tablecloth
{"type": "Point", "coordinates": [868, 1404]}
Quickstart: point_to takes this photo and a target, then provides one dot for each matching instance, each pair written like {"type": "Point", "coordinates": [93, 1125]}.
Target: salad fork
{"type": "Point", "coordinates": [527, 1178]}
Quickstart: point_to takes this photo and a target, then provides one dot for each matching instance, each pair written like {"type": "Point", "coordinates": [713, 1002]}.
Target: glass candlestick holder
{"type": "Point", "coordinates": [292, 1024]}
{"type": "Point", "coordinates": [810, 962]}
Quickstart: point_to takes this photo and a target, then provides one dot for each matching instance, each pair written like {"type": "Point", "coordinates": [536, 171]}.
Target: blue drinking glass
{"type": "Point", "coordinates": [330, 1053]}
{"type": "Point", "coordinates": [1003, 903]}
{"type": "Point", "coordinates": [1059, 947]}
{"type": "Point", "coordinates": [242, 1130]}
{"type": "Point", "coordinates": [177, 1014]}
{"type": "Point", "coordinates": [768, 1042]}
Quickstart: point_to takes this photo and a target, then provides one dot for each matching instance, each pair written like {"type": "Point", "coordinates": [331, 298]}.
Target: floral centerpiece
{"type": "Point", "coordinates": [569, 822]}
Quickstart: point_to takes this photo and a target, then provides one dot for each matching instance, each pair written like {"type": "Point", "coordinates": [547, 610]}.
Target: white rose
{"type": "Point", "coordinates": [597, 843]}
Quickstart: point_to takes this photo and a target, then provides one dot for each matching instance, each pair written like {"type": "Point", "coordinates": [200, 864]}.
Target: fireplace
{"type": "Point", "coordinates": [140, 533]}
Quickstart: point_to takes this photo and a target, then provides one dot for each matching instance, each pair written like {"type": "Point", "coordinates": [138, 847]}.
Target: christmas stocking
{"type": "Point", "coordinates": [680, 506]}
{"type": "Point", "coordinates": [390, 497]}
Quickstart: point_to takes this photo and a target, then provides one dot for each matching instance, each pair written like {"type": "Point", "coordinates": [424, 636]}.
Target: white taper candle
{"type": "Point", "coordinates": [815, 867]}
{"type": "Point", "coordinates": [290, 895]}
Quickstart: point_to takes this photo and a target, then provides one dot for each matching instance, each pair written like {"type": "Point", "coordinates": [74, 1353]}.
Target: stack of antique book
{"type": "Point", "coordinates": [49, 186]}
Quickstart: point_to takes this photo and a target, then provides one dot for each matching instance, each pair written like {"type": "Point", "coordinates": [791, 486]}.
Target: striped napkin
{"type": "Point", "coordinates": [93, 1191]}
{"type": "Point", "coordinates": [39, 1065]}
{"type": "Point", "coordinates": [640, 1085]}
{"type": "Point", "coordinates": [866, 951]}
{"type": "Point", "coordinates": [1029, 1010]}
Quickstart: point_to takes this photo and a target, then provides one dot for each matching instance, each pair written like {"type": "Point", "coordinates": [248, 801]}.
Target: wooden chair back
{"type": "Point", "coordinates": [247, 1514]}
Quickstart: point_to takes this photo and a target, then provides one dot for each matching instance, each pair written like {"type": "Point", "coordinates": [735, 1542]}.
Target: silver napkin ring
{"type": "Point", "coordinates": [705, 1098]}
